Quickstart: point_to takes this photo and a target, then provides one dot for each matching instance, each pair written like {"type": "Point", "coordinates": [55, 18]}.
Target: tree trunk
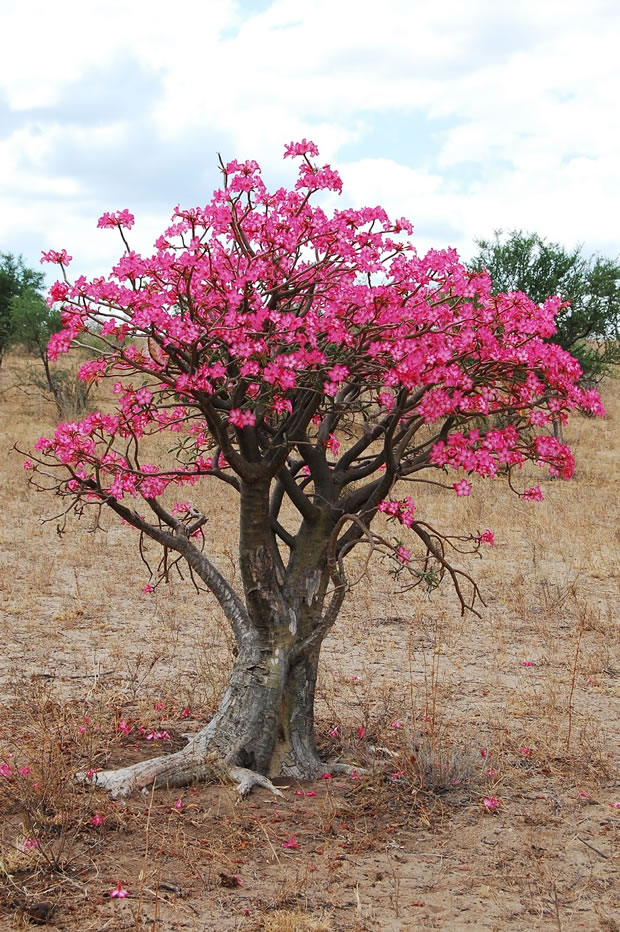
{"type": "Point", "coordinates": [265, 721]}
{"type": "Point", "coordinates": [264, 727]}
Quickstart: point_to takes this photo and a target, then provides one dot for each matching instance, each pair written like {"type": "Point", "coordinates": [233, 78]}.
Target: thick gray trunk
{"type": "Point", "coordinates": [264, 727]}
{"type": "Point", "coordinates": [265, 721]}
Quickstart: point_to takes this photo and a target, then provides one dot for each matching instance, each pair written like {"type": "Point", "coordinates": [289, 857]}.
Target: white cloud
{"type": "Point", "coordinates": [494, 114]}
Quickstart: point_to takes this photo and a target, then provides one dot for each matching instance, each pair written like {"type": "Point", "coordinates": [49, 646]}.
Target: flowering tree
{"type": "Point", "coordinates": [315, 364]}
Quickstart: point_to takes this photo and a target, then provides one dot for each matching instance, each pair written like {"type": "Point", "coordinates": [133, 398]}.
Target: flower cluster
{"type": "Point", "coordinates": [400, 510]}
{"type": "Point", "coordinates": [262, 330]}
{"type": "Point", "coordinates": [122, 218]}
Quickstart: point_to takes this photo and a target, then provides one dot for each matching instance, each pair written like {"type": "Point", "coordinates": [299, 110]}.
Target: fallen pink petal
{"type": "Point", "coordinates": [491, 803]}
{"type": "Point", "coordinates": [119, 891]}
{"type": "Point", "coordinates": [291, 843]}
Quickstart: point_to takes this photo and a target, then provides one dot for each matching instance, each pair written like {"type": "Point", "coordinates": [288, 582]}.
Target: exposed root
{"type": "Point", "coordinates": [174, 770]}
{"type": "Point", "coordinates": [346, 769]}
{"type": "Point", "coordinates": [247, 779]}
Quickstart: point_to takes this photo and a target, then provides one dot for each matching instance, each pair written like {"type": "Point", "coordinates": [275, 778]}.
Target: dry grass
{"type": "Point", "coordinates": [520, 706]}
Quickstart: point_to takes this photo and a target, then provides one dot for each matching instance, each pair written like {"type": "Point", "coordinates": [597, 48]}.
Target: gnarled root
{"type": "Point", "coordinates": [346, 769]}
{"type": "Point", "coordinates": [173, 770]}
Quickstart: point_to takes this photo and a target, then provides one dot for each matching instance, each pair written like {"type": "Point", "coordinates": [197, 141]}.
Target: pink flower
{"type": "Point", "coordinates": [186, 712]}
{"type": "Point", "coordinates": [241, 419]}
{"type": "Point", "coordinates": [615, 805]}
{"type": "Point", "coordinates": [157, 735]}
{"type": "Point", "coordinates": [525, 752]}
{"type": "Point", "coordinates": [361, 731]}
{"type": "Point", "coordinates": [119, 891]}
{"type": "Point", "coordinates": [96, 820]}
{"type": "Point", "coordinates": [333, 444]}
{"type": "Point", "coordinates": [355, 775]}
{"type": "Point", "coordinates": [24, 771]}
{"type": "Point", "coordinates": [326, 776]}
{"type": "Point", "coordinates": [533, 495]}
{"type": "Point", "coordinates": [487, 537]}
{"type": "Point", "coordinates": [483, 752]}
{"type": "Point", "coordinates": [396, 724]}
{"type": "Point", "coordinates": [334, 732]}
{"type": "Point", "coordinates": [124, 727]}
{"type": "Point", "coordinates": [60, 257]}
{"type": "Point", "coordinates": [291, 843]}
{"type": "Point", "coordinates": [5, 770]}
{"type": "Point", "coordinates": [491, 772]}
{"type": "Point", "coordinates": [491, 803]}
{"type": "Point", "coordinates": [527, 663]}
{"type": "Point", "coordinates": [462, 488]}
{"type": "Point", "coordinates": [147, 589]}
{"type": "Point", "coordinates": [31, 843]}
{"type": "Point", "coordinates": [305, 147]}
{"type": "Point", "coordinates": [28, 464]}
{"type": "Point", "coordinates": [585, 796]}
{"type": "Point", "coordinates": [122, 218]}
{"type": "Point", "coordinates": [179, 803]}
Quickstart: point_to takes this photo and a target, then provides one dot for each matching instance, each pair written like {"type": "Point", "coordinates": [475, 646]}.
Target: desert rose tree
{"type": "Point", "coordinates": [318, 366]}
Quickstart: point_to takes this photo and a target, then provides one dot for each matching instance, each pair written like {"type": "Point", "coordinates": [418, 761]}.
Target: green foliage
{"type": "Point", "coordinates": [26, 320]}
{"type": "Point", "coordinates": [32, 322]}
{"type": "Point", "coordinates": [16, 279]}
{"type": "Point", "coordinates": [589, 327]}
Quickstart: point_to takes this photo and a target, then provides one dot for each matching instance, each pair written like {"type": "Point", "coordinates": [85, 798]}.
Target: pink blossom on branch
{"type": "Point", "coordinates": [263, 333]}
{"type": "Point", "coordinates": [60, 257]}
{"type": "Point", "coordinates": [122, 218]}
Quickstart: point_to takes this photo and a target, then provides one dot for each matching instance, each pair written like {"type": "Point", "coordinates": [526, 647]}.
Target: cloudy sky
{"type": "Point", "coordinates": [463, 116]}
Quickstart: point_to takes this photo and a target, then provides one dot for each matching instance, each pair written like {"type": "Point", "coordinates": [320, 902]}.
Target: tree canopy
{"type": "Point", "coordinates": [320, 368]}
{"type": "Point", "coordinates": [16, 280]}
{"type": "Point", "coordinates": [587, 325]}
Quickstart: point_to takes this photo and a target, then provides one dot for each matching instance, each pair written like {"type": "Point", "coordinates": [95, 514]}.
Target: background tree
{"type": "Point", "coordinates": [15, 279]}
{"type": "Point", "coordinates": [32, 321]}
{"type": "Point", "coordinates": [320, 368]}
{"type": "Point", "coordinates": [588, 326]}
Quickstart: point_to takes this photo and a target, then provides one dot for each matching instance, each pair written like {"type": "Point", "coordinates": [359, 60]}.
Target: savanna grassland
{"type": "Point", "coordinates": [490, 745]}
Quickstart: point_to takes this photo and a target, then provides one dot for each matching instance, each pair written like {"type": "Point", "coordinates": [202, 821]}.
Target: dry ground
{"type": "Point", "coordinates": [520, 706]}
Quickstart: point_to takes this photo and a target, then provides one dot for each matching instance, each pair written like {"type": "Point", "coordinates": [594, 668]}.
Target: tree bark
{"type": "Point", "coordinates": [264, 726]}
